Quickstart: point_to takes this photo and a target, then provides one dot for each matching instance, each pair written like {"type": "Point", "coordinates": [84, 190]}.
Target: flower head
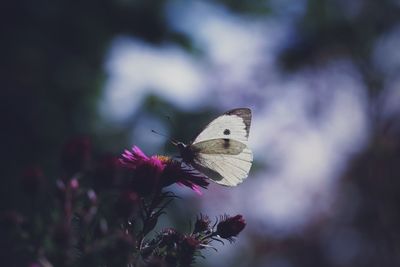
{"type": "Point", "coordinates": [146, 171]}
{"type": "Point", "coordinates": [202, 224]}
{"type": "Point", "coordinates": [153, 173]}
{"type": "Point", "coordinates": [230, 227]}
{"type": "Point", "coordinates": [169, 238]}
{"type": "Point", "coordinates": [137, 158]}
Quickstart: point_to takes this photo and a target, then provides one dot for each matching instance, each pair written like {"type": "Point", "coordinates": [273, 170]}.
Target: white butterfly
{"type": "Point", "coordinates": [220, 151]}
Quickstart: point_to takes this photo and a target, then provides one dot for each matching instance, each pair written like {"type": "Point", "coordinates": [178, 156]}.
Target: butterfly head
{"type": "Point", "coordinates": [180, 145]}
{"type": "Point", "coordinates": [183, 148]}
{"type": "Point", "coordinates": [186, 152]}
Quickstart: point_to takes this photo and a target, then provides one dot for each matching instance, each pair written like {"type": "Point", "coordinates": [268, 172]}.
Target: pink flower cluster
{"type": "Point", "coordinates": [151, 174]}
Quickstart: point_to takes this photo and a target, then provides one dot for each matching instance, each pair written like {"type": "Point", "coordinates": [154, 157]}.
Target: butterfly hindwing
{"type": "Point", "coordinates": [225, 169]}
{"type": "Point", "coordinates": [219, 146]}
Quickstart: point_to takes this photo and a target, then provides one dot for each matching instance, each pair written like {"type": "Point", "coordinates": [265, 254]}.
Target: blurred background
{"type": "Point", "coordinates": [321, 77]}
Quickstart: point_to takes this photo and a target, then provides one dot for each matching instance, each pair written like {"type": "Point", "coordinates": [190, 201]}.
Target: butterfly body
{"type": "Point", "coordinates": [186, 152]}
{"type": "Point", "coordinates": [220, 151]}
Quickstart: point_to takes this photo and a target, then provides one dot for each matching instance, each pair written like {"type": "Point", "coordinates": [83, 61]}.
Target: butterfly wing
{"type": "Point", "coordinates": [221, 150]}
{"type": "Point", "coordinates": [234, 124]}
{"type": "Point", "coordinates": [225, 169]}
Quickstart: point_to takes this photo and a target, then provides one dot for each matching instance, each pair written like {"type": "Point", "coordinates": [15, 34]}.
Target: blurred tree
{"type": "Point", "coordinates": [52, 72]}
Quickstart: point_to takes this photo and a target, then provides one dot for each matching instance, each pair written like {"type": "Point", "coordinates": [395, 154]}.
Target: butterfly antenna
{"type": "Point", "coordinates": [173, 141]}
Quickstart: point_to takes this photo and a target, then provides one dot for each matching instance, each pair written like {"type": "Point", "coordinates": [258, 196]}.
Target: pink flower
{"type": "Point", "coordinates": [150, 174]}
{"type": "Point", "coordinates": [202, 224]}
{"type": "Point", "coordinates": [145, 172]}
{"type": "Point", "coordinates": [137, 158]}
{"type": "Point", "coordinates": [74, 184]}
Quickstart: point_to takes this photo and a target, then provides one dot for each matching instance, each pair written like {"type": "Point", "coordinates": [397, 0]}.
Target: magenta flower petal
{"type": "Point", "coordinates": [139, 153]}
{"type": "Point", "coordinates": [177, 172]}
{"type": "Point", "coordinates": [150, 174]}
{"type": "Point", "coordinates": [157, 163]}
{"type": "Point", "coordinates": [134, 159]}
{"type": "Point", "coordinates": [144, 172]}
{"type": "Point", "coordinates": [196, 189]}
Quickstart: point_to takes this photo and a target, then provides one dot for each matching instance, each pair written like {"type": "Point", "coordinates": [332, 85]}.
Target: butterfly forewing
{"type": "Point", "coordinates": [234, 124]}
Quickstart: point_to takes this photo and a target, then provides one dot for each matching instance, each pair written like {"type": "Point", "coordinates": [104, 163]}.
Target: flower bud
{"type": "Point", "coordinates": [91, 195]}
{"type": "Point", "coordinates": [74, 184]}
{"type": "Point", "coordinates": [170, 237]}
{"type": "Point", "coordinates": [230, 226]}
{"type": "Point", "coordinates": [202, 224]}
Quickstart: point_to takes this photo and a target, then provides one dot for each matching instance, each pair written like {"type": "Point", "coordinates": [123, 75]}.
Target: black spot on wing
{"type": "Point", "coordinates": [245, 114]}
{"type": "Point", "coordinates": [227, 132]}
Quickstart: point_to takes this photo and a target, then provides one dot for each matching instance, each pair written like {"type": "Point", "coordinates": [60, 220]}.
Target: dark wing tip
{"type": "Point", "coordinates": [240, 112]}
{"type": "Point", "coordinates": [245, 114]}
